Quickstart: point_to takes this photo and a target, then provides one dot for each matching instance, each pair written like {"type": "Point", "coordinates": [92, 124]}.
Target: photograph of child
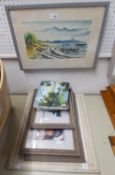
{"type": "Point", "coordinates": [46, 134]}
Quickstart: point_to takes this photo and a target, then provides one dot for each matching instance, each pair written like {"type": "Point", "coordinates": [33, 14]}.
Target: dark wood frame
{"type": "Point", "coordinates": [53, 125]}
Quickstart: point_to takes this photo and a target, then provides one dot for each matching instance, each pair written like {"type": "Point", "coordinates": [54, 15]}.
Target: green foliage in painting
{"type": "Point", "coordinates": [30, 38]}
{"type": "Point", "coordinates": [48, 100]}
{"type": "Point", "coordinates": [52, 99]}
{"type": "Point", "coordinates": [65, 86]}
{"type": "Point", "coordinates": [52, 94]}
{"type": "Point", "coordinates": [60, 99]}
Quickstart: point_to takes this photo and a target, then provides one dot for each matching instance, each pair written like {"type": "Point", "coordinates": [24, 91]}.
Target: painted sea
{"type": "Point", "coordinates": [66, 48]}
{"type": "Point", "coordinates": [57, 40]}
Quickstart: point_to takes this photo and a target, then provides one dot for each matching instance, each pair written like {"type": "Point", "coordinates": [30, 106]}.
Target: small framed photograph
{"type": "Point", "coordinates": [51, 142]}
{"type": "Point", "coordinates": [57, 36]}
{"type": "Point", "coordinates": [59, 119]}
{"type": "Point", "coordinates": [55, 139]}
{"type": "Point", "coordinates": [46, 119]}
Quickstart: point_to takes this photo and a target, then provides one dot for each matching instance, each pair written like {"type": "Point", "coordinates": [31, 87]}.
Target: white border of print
{"type": "Point", "coordinates": [65, 144]}
{"type": "Point", "coordinates": [46, 117]}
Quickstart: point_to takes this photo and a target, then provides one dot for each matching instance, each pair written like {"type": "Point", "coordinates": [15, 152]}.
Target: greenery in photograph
{"type": "Point", "coordinates": [52, 94]}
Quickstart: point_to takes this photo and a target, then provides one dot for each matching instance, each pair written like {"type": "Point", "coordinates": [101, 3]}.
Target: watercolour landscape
{"type": "Point", "coordinates": [57, 39]}
{"type": "Point", "coordinates": [52, 95]}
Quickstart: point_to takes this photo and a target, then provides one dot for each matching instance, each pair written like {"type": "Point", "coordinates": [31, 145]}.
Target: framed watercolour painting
{"type": "Point", "coordinates": [52, 95]}
{"type": "Point", "coordinates": [59, 119]}
{"type": "Point", "coordinates": [57, 36]}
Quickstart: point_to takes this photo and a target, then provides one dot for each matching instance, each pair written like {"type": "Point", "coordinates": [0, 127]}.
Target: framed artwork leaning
{"type": "Point", "coordinates": [61, 145]}
{"type": "Point", "coordinates": [16, 161]}
{"type": "Point", "coordinates": [41, 119]}
{"type": "Point", "coordinates": [52, 95]}
{"type": "Point", "coordinates": [52, 143]}
{"type": "Point", "coordinates": [57, 36]}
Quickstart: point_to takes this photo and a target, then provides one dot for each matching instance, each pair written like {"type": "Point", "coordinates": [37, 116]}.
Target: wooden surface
{"type": "Point", "coordinates": [5, 101]}
{"type": "Point", "coordinates": [112, 89]}
{"type": "Point", "coordinates": [112, 142]}
{"type": "Point", "coordinates": [110, 105]}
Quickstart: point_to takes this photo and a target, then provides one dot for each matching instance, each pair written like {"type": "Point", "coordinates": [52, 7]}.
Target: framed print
{"type": "Point", "coordinates": [51, 119]}
{"type": "Point", "coordinates": [43, 116]}
{"type": "Point", "coordinates": [57, 36]}
{"type": "Point", "coordinates": [50, 142]}
{"type": "Point", "coordinates": [52, 95]}
{"type": "Point", "coordinates": [52, 145]}
{"type": "Point", "coordinates": [18, 161]}
{"type": "Point", "coordinates": [40, 119]}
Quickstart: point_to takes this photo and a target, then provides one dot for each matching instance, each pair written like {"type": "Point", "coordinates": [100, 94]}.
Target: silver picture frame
{"type": "Point", "coordinates": [57, 36]}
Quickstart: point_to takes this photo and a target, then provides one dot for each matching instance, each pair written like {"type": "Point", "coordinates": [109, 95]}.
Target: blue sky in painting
{"type": "Point", "coordinates": [59, 30]}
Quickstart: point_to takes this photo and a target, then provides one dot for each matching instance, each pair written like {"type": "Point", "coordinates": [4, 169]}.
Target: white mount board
{"type": "Point", "coordinates": [7, 49]}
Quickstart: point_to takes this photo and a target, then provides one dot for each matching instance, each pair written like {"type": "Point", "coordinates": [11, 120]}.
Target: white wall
{"type": "Point", "coordinates": [86, 81]}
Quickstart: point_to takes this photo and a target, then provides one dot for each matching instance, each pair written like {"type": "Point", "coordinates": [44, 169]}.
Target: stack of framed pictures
{"type": "Point", "coordinates": [52, 135]}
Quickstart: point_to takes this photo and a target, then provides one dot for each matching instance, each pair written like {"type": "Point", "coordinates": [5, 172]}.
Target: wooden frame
{"type": "Point", "coordinates": [53, 125]}
{"type": "Point", "coordinates": [53, 152]}
{"type": "Point", "coordinates": [75, 155]}
{"type": "Point", "coordinates": [52, 49]}
{"type": "Point", "coordinates": [60, 159]}
{"type": "Point", "coordinates": [17, 162]}
{"type": "Point", "coordinates": [50, 155]}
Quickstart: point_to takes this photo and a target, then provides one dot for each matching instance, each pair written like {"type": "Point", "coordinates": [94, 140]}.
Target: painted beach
{"type": "Point", "coordinates": [57, 40]}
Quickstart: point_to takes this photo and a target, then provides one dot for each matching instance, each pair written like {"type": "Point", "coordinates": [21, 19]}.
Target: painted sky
{"type": "Point", "coordinates": [59, 30]}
